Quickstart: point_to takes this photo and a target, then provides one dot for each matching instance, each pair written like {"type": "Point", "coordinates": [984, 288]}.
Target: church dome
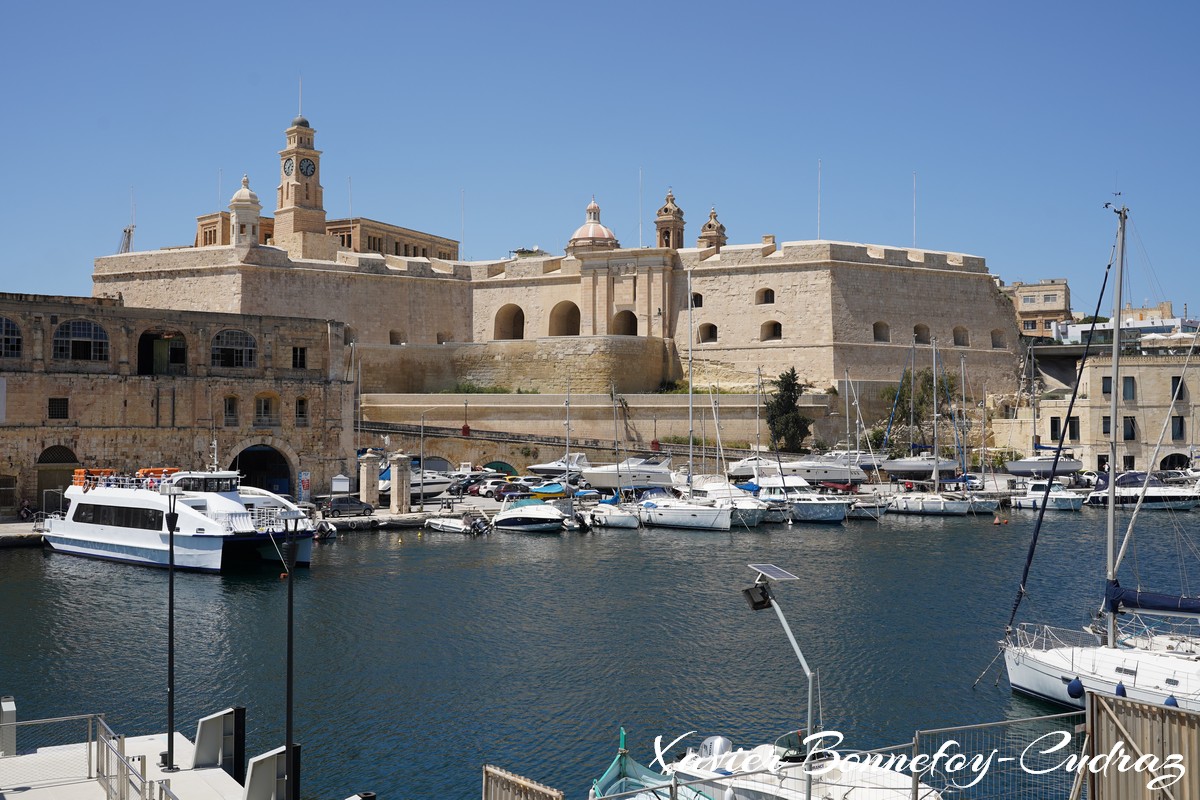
{"type": "Point", "coordinates": [300, 122]}
{"type": "Point", "coordinates": [592, 233]}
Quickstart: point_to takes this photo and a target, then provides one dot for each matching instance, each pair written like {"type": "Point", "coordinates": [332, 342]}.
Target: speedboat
{"type": "Point", "coordinates": [571, 464]}
{"type": "Point", "coordinates": [781, 771]}
{"type": "Point", "coordinates": [466, 524]}
{"type": "Point", "coordinates": [220, 524]}
{"type": "Point", "coordinates": [632, 473]}
{"type": "Point", "coordinates": [529, 515]}
{"type": "Point", "coordinates": [1043, 466]}
{"type": "Point", "coordinates": [1060, 497]}
{"type": "Point", "coordinates": [423, 484]}
{"type": "Point", "coordinates": [811, 469]}
{"type": "Point", "coordinates": [1158, 495]}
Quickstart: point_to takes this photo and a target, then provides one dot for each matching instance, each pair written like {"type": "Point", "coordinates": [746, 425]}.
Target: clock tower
{"type": "Point", "coordinates": [300, 208]}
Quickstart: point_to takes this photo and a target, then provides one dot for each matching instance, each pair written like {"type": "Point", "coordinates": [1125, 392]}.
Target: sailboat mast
{"type": "Point", "coordinates": [846, 389]}
{"type": "Point", "coordinates": [567, 457]}
{"type": "Point", "coordinates": [933, 348]}
{"type": "Point", "coordinates": [962, 379]}
{"type": "Point", "coordinates": [691, 440]}
{"type": "Point", "coordinates": [1113, 407]}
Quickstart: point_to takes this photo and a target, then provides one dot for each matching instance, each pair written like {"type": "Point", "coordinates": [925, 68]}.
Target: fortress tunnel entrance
{"type": "Point", "coordinates": [510, 323]}
{"type": "Point", "coordinates": [564, 319]}
{"type": "Point", "coordinates": [162, 352]}
{"type": "Point", "coordinates": [265, 467]}
{"type": "Point", "coordinates": [55, 469]}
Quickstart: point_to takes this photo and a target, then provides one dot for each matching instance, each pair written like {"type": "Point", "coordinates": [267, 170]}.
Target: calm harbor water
{"type": "Point", "coordinates": [419, 658]}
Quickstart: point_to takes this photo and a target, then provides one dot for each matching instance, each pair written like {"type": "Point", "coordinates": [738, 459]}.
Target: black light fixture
{"type": "Point", "coordinates": [172, 493]}
{"type": "Point", "coordinates": [758, 596]}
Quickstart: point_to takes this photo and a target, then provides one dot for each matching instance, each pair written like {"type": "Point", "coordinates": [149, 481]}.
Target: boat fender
{"type": "Point", "coordinates": [1120, 690]}
{"type": "Point", "coordinates": [1171, 701]}
{"type": "Point", "coordinates": [1075, 688]}
{"type": "Point", "coordinates": [86, 486]}
{"type": "Point", "coordinates": [729, 795]}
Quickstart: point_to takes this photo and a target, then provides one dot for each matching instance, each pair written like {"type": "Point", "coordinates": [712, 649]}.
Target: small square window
{"type": "Point", "coordinates": [59, 408]}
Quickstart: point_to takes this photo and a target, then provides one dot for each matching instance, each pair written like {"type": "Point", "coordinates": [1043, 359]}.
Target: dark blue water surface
{"type": "Point", "coordinates": [419, 658]}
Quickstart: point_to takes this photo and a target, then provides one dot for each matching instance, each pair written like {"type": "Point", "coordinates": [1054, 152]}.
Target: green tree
{"type": "Point", "coordinates": [789, 428]}
{"type": "Point", "coordinates": [916, 401]}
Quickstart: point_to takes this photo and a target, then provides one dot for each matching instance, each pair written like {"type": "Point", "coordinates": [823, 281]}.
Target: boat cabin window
{"type": "Point", "coordinates": [206, 484]}
{"type": "Point", "coordinates": [150, 519]}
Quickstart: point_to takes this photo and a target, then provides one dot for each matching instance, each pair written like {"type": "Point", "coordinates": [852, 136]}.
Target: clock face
{"type": "Point", "coordinates": [288, 166]}
{"type": "Point", "coordinates": [307, 167]}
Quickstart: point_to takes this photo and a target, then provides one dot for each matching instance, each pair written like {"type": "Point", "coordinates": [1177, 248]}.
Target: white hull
{"type": "Point", "coordinates": [919, 468]}
{"type": "Point", "coordinates": [529, 517]}
{"type": "Point", "coordinates": [818, 508]}
{"type": "Point", "coordinates": [1055, 502]}
{"type": "Point", "coordinates": [630, 474]}
{"type": "Point", "coordinates": [125, 522]}
{"type": "Point", "coordinates": [1040, 664]}
{"type": "Point", "coordinates": [574, 465]}
{"type": "Point", "coordinates": [606, 516]}
{"type": "Point", "coordinates": [1158, 498]}
{"type": "Point", "coordinates": [1041, 467]}
{"type": "Point", "coordinates": [929, 505]}
{"type": "Point", "coordinates": [679, 514]}
{"type": "Point", "coordinates": [809, 469]}
{"type": "Point", "coordinates": [867, 509]}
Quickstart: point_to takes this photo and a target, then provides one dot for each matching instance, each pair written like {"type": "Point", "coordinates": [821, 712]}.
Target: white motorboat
{"type": "Point", "coordinates": [1152, 664]}
{"type": "Point", "coordinates": [571, 464]}
{"type": "Point", "coordinates": [1153, 493]}
{"type": "Point", "coordinates": [221, 523]}
{"type": "Point", "coordinates": [716, 490]}
{"type": "Point", "coordinates": [658, 509]}
{"type": "Point", "coordinates": [1043, 466]}
{"type": "Point", "coordinates": [813, 470]}
{"type": "Point", "coordinates": [867, 462]}
{"type": "Point", "coordinates": [529, 515]}
{"type": "Point", "coordinates": [605, 515]}
{"type": "Point", "coordinates": [1058, 498]}
{"type": "Point", "coordinates": [466, 524]}
{"type": "Point", "coordinates": [777, 772]}
{"type": "Point", "coordinates": [632, 473]}
{"type": "Point", "coordinates": [803, 502]}
{"type": "Point", "coordinates": [423, 483]}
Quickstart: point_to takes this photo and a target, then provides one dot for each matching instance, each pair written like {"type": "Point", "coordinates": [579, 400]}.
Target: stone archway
{"type": "Point", "coordinates": [510, 323]}
{"type": "Point", "coordinates": [624, 323]}
{"type": "Point", "coordinates": [264, 466]}
{"type": "Point", "coordinates": [55, 469]}
{"type": "Point", "coordinates": [564, 319]}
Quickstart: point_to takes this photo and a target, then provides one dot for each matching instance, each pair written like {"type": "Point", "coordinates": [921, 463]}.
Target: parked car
{"type": "Point", "coordinates": [1088, 477]}
{"type": "Point", "coordinates": [510, 489]}
{"type": "Point", "coordinates": [488, 488]}
{"type": "Point", "coordinates": [347, 506]}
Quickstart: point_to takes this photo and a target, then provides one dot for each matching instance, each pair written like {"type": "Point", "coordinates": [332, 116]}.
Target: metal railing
{"type": "Point", "coordinates": [1048, 637]}
{"type": "Point", "coordinates": [47, 752]}
{"type": "Point", "coordinates": [123, 777]}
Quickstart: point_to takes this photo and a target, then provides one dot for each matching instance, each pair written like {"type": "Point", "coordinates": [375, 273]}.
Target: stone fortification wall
{"type": "Point", "coordinates": [635, 363]}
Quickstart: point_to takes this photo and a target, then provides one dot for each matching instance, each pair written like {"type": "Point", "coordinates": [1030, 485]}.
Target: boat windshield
{"type": "Point", "coordinates": [790, 746]}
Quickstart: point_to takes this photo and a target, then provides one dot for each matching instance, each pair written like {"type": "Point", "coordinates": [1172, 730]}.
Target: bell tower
{"type": "Point", "coordinates": [668, 225]}
{"type": "Point", "coordinates": [300, 205]}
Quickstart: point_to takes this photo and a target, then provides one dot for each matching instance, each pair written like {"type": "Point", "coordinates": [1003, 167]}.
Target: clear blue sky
{"type": "Point", "coordinates": [1020, 120]}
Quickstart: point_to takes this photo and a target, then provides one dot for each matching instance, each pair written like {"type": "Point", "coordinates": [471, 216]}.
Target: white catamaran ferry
{"type": "Point", "coordinates": [221, 524]}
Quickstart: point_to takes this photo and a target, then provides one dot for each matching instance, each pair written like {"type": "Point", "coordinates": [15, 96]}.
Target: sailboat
{"type": "Point", "coordinates": [933, 502]}
{"type": "Point", "coordinates": [1150, 665]}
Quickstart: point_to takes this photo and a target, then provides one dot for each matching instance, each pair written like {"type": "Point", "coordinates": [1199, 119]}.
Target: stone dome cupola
{"type": "Point", "coordinates": [592, 234]}
{"type": "Point", "coordinates": [712, 232]}
{"type": "Point", "coordinates": [668, 224]}
{"type": "Point", "coordinates": [244, 210]}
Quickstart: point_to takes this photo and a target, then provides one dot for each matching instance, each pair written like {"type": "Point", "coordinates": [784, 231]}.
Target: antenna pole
{"type": "Point", "coordinates": [350, 196]}
{"type": "Point", "coordinates": [462, 223]}
{"type": "Point", "coordinates": [818, 198]}
{"type": "Point", "coordinates": [914, 208]}
{"type": "Point", "coordinates": [639, 206]}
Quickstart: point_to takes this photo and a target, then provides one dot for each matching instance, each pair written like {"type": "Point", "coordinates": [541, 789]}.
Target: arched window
{"type": "Point", "coordinates": [564, 319]}
{"type": "Point", "coordinates": [624, 324]}
{"type": "Point", "coordinates": [764, 297]}
{"type": "Point", "coordinates": [770, 332]}
{"type": "Point", "coordinates": [921, 334]}
{"type": "Point", "coordinates": [997, 339]}
{"type": "Point", "coordinates": [708, 332]}
{"type": "Point", "coordinates": [233, 348]}
{"type": "Point", "coordinates": [10, 339]}
{"type": "Point", "coordinates": [510, 323]}
{"type": "Point", "coordinates": [962, 338]}
{"type": "Point", "coordinates": [80, 340]}
{"type": "Point", "coordinates": [697, 300]}
{"type": "Point", "coordinates": [881, 332]}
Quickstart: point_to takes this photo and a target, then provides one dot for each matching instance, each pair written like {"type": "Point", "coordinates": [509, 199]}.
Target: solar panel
{"type": "Point", "coordinates": [773, 572]}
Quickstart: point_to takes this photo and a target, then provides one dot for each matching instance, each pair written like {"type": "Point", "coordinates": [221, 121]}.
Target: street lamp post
{"type": "Point", "coordinates": [760, 597]}
{"type": "Point", "coordinates": [172, 493]}
{"type": "Point", "coordinates": [292, 516]}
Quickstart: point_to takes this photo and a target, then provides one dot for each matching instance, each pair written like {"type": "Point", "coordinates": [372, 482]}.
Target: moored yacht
{"type": "Point", "coordinates": [1059, 497]}
{"type": "Point", "coordinates": [1043, 466]}
{"type": "Point", "coordinates": [804, 504]}
{"type": "Point", "coordinates": [1158, 495]}
{"type": "Point", "coordinates": [221, 523]}
{"type": "Point", "coordinates": [632, 473]}
{"type": "Point", "coordinates": [571, 464]}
